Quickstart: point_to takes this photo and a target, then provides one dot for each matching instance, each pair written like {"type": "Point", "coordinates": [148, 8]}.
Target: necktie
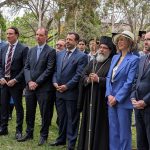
{"type": "Point", "coordinates": [66, 58]}
{"type": "Point", "coordinates": [147, 61]}
{"type": "Point", "coordinates": [38, 52]}
{"type": "Point", "coordinates": [8, 63]}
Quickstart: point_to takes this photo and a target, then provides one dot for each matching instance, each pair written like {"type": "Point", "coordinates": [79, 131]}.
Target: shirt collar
{"type": "Point", "coordinates": [71, 50]}
{"type": "Point", "coordinates": [14, 45]}
{"type": "Point", "coordinates": [41, 46]}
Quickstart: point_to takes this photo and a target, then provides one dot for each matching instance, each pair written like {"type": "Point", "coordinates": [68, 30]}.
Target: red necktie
{"type": "Point", "coordinates": [8, 63]}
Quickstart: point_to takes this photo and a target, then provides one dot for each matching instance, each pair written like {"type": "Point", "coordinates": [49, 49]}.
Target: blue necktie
{"type": "Point", "coordinates": [38, 52]}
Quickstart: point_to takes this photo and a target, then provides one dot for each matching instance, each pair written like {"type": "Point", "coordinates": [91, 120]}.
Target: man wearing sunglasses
{"type": "Point", "coordinates": [60, 45]}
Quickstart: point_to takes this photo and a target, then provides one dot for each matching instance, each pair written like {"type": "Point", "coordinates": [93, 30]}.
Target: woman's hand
{"type": "Point", "coordinates": [112, 101]}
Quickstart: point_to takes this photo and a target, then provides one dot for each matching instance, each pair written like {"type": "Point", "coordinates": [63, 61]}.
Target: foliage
{"type": "Point", "coordinates": [9, 143]}
{"type": "Point", "coordinates": [27, 32]}
{"type": "Point", "coordinates": [80, 16]}
{"type": "Point", "coordinates": [132, 13]}
{"type": "Point", "coordinates": [2, 26]}
{"type": "Point", "coordinates": [88, 18]}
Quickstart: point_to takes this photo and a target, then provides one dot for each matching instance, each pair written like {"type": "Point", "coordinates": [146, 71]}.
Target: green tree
{"type": "Point", "coordinates": [80, 16]}
{"type": "Point", "coordinates": [134, 13]}
{"type": "Point", "coordinates": [2, 26]}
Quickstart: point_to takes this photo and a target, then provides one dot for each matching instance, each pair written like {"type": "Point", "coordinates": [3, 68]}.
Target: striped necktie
{"type": "Point", "coordinates": [66, 58]}
{"type": "Point", "coordinates": [9, 61]}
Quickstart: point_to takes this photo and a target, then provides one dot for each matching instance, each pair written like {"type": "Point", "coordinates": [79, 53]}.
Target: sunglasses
{"type": "Point", "coordinates": [59, 45]}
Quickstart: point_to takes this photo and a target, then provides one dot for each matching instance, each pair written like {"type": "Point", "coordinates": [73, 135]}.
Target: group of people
{"type": "Point", "coordinates": [103, 85]}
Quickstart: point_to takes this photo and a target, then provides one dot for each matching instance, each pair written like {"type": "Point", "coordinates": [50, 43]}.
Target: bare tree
{"type": "Point", "coordinates": [134, 13]}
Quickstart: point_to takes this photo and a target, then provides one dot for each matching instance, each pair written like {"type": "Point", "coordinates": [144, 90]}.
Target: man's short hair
{"type": "Point", "coordinates": [77, 37]}
{"type": "Point", "coordinates": [15, 29]}
{"type": "Point", "coordinates": [83, 40]}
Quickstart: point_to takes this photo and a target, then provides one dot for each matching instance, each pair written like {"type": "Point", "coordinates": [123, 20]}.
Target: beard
{"type": "Point", "coordinates": [101, 57]}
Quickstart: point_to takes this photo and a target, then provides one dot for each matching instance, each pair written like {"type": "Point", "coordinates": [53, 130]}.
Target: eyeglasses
{"type": "Point", "coordinates": [59, 45]}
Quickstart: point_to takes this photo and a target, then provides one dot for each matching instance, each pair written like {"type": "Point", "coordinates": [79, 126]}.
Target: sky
{"type": "Point", "coordinates": [7, 13]}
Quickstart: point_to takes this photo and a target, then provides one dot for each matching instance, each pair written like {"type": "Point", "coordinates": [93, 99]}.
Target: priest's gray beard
{"type": "Point", "coordinates": [101, 57]}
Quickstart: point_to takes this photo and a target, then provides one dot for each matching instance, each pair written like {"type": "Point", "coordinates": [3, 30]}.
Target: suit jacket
{"type": "Point", "coordinates": [41, 70]}
{"type": "Point", "coordinates": [141, 88]}
{"type": "Point", "coordinates": [121, 87]}
{"type": "Point", "coordinates": [2, 44]}
{"type": "Point", "coordinates": [18, 62]}
{"type": "Point", "coordinates": [70, 73]}
{"type": "Point", "coordinates": [86, 52]}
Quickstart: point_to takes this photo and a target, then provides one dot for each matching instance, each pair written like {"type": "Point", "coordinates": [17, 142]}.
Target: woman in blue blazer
{"type": "Point", "coordinates": [118, 89]}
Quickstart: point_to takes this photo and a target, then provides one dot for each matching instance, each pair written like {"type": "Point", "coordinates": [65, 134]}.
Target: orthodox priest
{"type": "Point", "coordinates": [94, 134]}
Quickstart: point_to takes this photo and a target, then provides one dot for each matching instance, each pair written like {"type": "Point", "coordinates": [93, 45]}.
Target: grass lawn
{"type": "Point", "coordinates": [9, 143]}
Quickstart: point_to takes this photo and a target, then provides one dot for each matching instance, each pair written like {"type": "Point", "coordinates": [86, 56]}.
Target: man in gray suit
{"type": "Point", "coordinates": [38, 71]}
{"type": "Point", "coordinates": [140, 98]}
{"type": "Point", "coordinates": [12, 60]}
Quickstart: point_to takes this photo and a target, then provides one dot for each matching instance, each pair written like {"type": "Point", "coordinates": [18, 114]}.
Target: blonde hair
{"type": "Point", "coordinates": [131, 43]}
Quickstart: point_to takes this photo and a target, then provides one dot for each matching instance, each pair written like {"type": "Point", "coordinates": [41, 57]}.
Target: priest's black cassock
{"type": "Point", "coordinates": [99, 123]}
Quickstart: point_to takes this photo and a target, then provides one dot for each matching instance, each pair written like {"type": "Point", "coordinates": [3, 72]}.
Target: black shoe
{"type": "Point", "coordinates": [42, 141]}
{"type": "Point", "coordinates": [18, 135]}
{"type": "Point", "coordinates": [57, 143]}
{"type": "Point", "coordinates": [70, 149]}
{"type": "Point", "coordinates": [3, 132]}
{"type": "Point", "coordinates": [26, 137]}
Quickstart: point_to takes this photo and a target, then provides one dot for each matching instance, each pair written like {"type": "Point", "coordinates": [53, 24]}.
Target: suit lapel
{"type": "Point", "coordinates": [123, 64]}
{"type": "Point", "coordinates": [35, 56]}
{"type": "Point", "coordinates": [4, 54]}
{"type": "Point", "coordinates": [146, 71]}
{"type": "Point", "coordinates": [116, 59]}
{"type": "Point", "coordinates": [15, 51]}
{"type": "Point", "coordinates": [70, 59]}
{"type": "Point", "coordinates": [41, 54]}
{"type": "Point", "coordinates": [141, 73]}
{"type": "Point", "coordinates": [142, 66]}
{"type": "Point", "coordinates": [61, 60]}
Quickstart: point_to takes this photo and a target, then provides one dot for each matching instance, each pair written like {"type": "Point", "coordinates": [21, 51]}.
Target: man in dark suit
{"type": "Point", "coordinates": [12, 60]}
{"type": "Point", "coordinates": [82, 46]}
{"type": "Point", "coordinates": [70, 64]}
{"type": "Point", "coordinates": [140, 98]}
{"type": "Point", "coordinates": [38, 71]}
{"type": "Point", "coordinates": [2, 44]}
